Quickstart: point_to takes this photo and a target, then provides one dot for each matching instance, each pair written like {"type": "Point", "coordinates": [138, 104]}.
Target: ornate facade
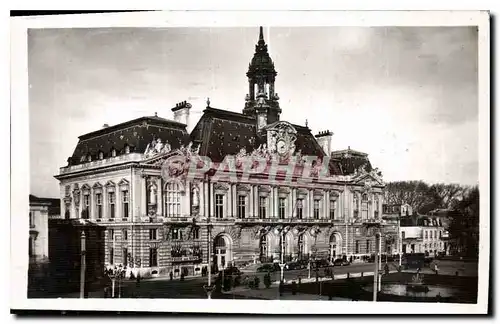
{"type": "Point", "coordinates": [240, 185]}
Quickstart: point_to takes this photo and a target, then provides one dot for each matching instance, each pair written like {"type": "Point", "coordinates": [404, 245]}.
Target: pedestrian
{"type": "Point", "coordinates": [171, 275]}
{"type": "Point", "coordinates": [281, 287]}
{"type": "Point", "coordinates": [436, 269]}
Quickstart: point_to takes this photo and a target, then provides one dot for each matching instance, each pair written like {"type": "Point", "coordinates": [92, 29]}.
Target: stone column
{"type": "Point", "coordinates": [144, 208]}
{"type": "Point", "coordinates": [251, 201]}
{"type": "Point", "coordinates": [327, 204]}
{"type": "Point", "coordinates": [276, 202]}
{"type": "Point", "coordinates": [234, 200]}
{"type": "Point", "coordinates": [212, 200]}
{"type": "Point", "coordinates": [159, 197]}
{"type": "Point", "coordinates": [187, 200]}
{"type": "Point", "coordinates": [311, 204]}
{"type": "Point", "coordinates": [201, 200]}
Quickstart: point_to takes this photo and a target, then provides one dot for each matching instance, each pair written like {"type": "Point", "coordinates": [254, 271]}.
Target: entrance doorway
{"type": "Point", "coordinates": [222, 249]}
{"type": "Point", "coordinates": [335, 246]}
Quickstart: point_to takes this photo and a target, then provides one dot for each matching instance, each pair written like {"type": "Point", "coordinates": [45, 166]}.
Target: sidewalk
{"type": "Point", "coordinates": [272, 293]}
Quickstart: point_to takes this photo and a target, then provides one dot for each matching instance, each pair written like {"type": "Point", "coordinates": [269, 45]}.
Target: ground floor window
{"type": "Point", "coordinates": [153, 257]}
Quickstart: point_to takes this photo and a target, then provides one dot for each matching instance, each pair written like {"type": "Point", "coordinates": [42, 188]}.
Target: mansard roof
{"type": "Point", "coordinates": [351, 160]}
{"type": "Point", "coordinates": [137, 134]}
{"type": "Point", "coordinates": [221, 132]}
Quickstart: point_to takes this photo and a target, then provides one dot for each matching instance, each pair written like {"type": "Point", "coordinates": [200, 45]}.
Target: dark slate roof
{"type": "Point", "coordinates": [222, 132]}
{"type": "Point", "coordinates": [350, 160]}
{"type": "Point", "coordinates": [54, 204]}
{"type": "Point", "coordinates": [137, 134]}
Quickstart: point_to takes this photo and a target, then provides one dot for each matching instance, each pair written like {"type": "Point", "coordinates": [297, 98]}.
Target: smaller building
{"type": "Point", "coordinates": [41, 209]}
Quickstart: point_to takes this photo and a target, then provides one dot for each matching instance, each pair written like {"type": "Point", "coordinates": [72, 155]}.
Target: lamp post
{"type": "Point", "coordinates": [373, 229]}
{"type": "Point", "coordinates": [116, 272]}
{"type": "Point", "coordinates": [82, 265]}
{"type": "Point", "coordinates": [209, 287]}
{"type": "Point", "coordinates": [283, 232]}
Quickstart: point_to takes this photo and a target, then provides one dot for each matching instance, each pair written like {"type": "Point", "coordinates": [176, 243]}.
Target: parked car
{"type": "Point", "coordinates": [268, 267]}
{"type": "Point", "coordinates": [320, 263]}
{"type": "Point", "coordinates": [232, 271]}
{"type": "Point", "coordinates": [293, 266]}
{"type": "Point", "coordinates": [341, 262]}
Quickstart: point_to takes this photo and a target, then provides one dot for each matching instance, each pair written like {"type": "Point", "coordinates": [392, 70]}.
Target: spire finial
{"type": "Point", "coordinates": [156, 114]}
{"type": "Point", "coordinates": [306, 122]}
{"type": "Point", "coordinates": [208, 102]}
{"type": "Point", "coordinates": [261, 35]}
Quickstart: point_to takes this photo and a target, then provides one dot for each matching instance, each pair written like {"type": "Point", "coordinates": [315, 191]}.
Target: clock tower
{"type": "Point", "coordinates": [261, 99]}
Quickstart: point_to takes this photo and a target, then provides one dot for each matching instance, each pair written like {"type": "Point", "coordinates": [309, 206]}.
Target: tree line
{"type": "Point", "coordinates": [462, 203]}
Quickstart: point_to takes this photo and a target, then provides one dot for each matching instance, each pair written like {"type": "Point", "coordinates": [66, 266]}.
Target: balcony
{"type": "Point", "coordinates": [102, 163]}
{"type": "Point", "coordinates": [251, 221]}
{"type": "Point", "coordinates": [186, 253]}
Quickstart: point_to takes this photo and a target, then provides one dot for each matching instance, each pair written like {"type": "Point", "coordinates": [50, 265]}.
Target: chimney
{"type": "Point", "coordinates": [325, 141]}
{"type": "Point", "coordinates": [181, 112]}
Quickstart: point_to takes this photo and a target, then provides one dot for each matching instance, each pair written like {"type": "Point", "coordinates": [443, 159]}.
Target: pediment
{"type": "Point", "coordinates": [368, 180]}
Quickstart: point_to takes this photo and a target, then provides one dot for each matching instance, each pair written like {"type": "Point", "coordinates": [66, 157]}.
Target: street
{"type": "Point", "coordinates": [163, 287]}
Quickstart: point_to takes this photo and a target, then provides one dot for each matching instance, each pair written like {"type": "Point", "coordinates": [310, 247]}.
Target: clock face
{"type": "Point", "coordinates": [281, 147]}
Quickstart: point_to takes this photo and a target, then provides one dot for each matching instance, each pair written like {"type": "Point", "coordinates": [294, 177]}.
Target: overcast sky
{"type": "Point", "coordinates": [406, 96]}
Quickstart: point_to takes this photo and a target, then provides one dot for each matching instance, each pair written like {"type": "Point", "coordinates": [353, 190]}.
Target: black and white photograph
{"type": "Point", "coordinates": [263, 163]}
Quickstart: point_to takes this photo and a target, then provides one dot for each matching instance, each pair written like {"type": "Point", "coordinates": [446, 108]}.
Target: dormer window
{"type": "Point", "coordinates": [127, 149]}
{"type": "Point", "coordinates": [113, 152]}
{"type": "Point", "coordinates": [89, 158]}
{"type": "Point", "coordinates": [101, 155]}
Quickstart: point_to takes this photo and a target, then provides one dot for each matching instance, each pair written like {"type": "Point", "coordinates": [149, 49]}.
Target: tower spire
{"type": "Point", "coordinates": [261, 35]}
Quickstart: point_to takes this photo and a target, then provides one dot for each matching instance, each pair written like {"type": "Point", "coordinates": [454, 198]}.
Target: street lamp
{"type": "Point", "coordinates": [209, 287]}
{"type": "Point", "coordinates": [82, 265]}
{"type": "Point", "coordinates": [283, 232]}
{"type": "Point", "coordinates": [116, 272]}
{"type": "Point", "coordinates": [374, 227]}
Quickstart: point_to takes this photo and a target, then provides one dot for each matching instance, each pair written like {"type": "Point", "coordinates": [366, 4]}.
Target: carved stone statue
{"type": "Point", "coordinates": [196, 196]}
{"type": "Point", "coordinates": [158, 146]}
{"type": "Point", "coordinates": [166, 147]}
{"type": "Point", "coordinates": [152, 195]}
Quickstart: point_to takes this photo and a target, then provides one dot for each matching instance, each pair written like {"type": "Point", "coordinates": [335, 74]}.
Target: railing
{"type": "Point", "coordinates": [104, 162]}
{"type": "Point", "coordinates": [284, 221]}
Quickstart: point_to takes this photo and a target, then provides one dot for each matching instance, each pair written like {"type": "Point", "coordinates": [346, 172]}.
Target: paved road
{"type": "Point", "coordinates": [162, 287]}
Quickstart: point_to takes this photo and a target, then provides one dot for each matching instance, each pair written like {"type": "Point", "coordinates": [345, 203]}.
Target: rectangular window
{"type": "Point", "coordinates": [176, 234]}
{"type": "Point", "coordinates": [125, 256]}
{"type": "Point", "coordinates": [172, 200]}
{"type": "Point", "coordinates": [241, 206]}
{"type": "Point", "coordinates": [316, 208]}
{"type": "Point", "coordinates": [125, 235]}
{"type": "Point", "coordinates": [355, 207]}
{"type": "Point", "coordinates": [403, 235]}
{"type": "Point", "coordinates": [32, 219]}
{"type": "Point", "coordinates": [282, 206]}
{"type": "Point", "coordinates": [125, 201]}
{"type": "Point", "coordinates": [300, 206]}
{"type": "Point", "coordinates": [357, 247]}
{"type": "Point", "coordinates": [111, 202]}
{"type": "Point", "coordinates": [425, 234]}
{"type": "Point", "coordinates": [367, 246]}
{"type": "Point", "coordinates": [262, 207]}
{"type": "Point", "coordinates": [333, 208]}
{"type": "Point", "coordinates": [111, 256]}
{"type": "Point", "coordinates": [98, 204]}
{"type": "Point", "coordinates": [430, 233]}
{"type": "Point", "coordinates": [111, 234]}
{"type": "Point", "coordinates": [219, 206]}
{"type": "Point", "coordinates": [153, 257]}
{"type": "Point", "coordinates": [152, 234]}
{"type": "Point", "coordinates": [86, 206]}
{"type": "Point", "coordinates": [196, 233]}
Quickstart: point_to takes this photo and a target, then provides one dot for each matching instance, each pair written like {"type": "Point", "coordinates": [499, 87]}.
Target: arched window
{"type": "Point", "coordinates": [101, 155]}
{"type": "Point", "coordinates": [89, 158]}
{"type": "Point", "coordinates": [263, 248]}
{"type": "Point", "coordinates": [172, 198]}
{"type": "Point", "coordinates": [364, 197]}
{"type": "Point", "coordinates": [127, 149]}
{"type": "Point", "coordinates": [113, 152]}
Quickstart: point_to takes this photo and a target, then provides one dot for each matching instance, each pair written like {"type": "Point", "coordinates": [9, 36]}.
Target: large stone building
{"type": "Point", "coordinates": [241, 187]}
{"type": "Point", "coordinates": [41, 209]}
